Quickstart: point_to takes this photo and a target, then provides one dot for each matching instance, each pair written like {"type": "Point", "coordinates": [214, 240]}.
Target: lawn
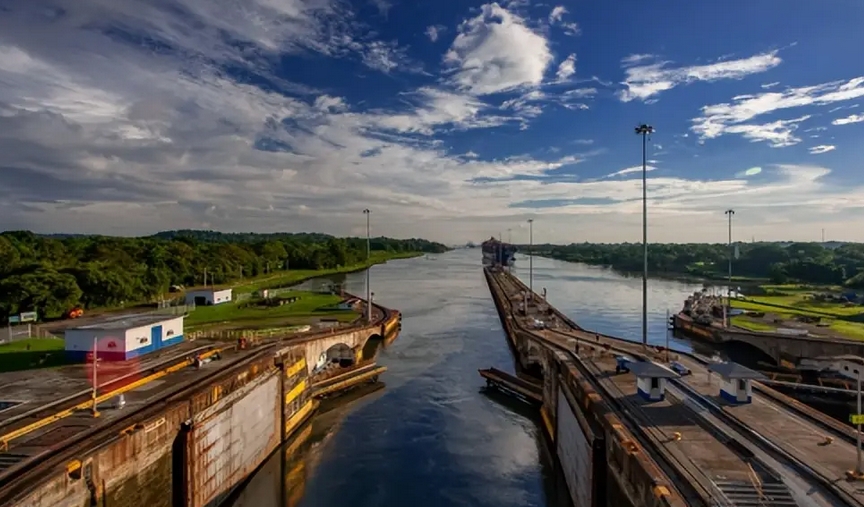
{"type": "Point", "coordinates": [832, 314]}
{"type": "Point", "coordinates": [307, 310]}
{"type": "Point", "coordinates": [800, 303]}
{"type": "Point", "coordinates": [294, 276]}
{"type": "Point", "coordinates": [751, 325]}
{"type": "Point", "coordinates": [14, 356]}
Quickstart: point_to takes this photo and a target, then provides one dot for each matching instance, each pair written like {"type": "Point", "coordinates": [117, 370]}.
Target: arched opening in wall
{"type": "Point", "coordinates": [746, 354]}
{"type": "Point", "coordinates": [373, 344]}
{"type": "Point", "coordinates": [340, 355]}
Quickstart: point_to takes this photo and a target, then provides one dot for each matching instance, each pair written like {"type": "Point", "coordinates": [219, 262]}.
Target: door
{"type": "Point", "coordinates": [156, 337]}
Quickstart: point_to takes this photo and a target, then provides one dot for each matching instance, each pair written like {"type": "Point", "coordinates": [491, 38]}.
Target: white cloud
{"type": "Point", "coordinates": [767, 86]}
{"type": "Point", "coordinates": [496, 51]}
{"type": "Point", "coordinates": [730, 117]}
{"type": "Point", "coordinates": [630, 170]}
{"type": "Point", "coordinates": [435, 31]}
{"type": "Point", "coordinates": [567, 68]}
{"type": "Point", "coordinates": [822, 148]}
{"type": "Point", "coordinates": [557, 14]}
{"type": "Point", "coordinates": [385, 56]}
{"type": "Point", "coordinates": [854, 118]}
{"type": "Point", "coordinates": [100, 135]}
{"type": "Point", "coordinates": [645, 81]}
{"type": "Point", "coordinates": [383, 6]}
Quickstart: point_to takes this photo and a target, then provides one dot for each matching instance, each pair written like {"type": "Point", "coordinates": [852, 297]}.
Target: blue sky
{"type": "Point", "coordinates": [450, 120]}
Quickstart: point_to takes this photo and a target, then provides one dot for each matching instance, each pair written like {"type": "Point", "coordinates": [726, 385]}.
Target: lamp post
{"type": "Point", "coordinates": [644, 130]}
{"type": "Point", "coordinates": [530, 260]}
{"type": "Point", "coordinates": [368, 268]}
{"type": "Point", "coordinates": [858, 471]}
{"type": "Point", "coordinates": [729, 213]}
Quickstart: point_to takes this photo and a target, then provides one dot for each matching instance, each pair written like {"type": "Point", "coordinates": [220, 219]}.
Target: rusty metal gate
{"type": "Point", "coordinates": [229, 440]}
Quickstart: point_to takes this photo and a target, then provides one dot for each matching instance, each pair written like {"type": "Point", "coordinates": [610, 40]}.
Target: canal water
{"type": "Point", "coordinates": [431, 437]}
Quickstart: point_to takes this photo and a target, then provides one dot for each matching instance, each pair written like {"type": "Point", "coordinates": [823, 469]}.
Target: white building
{"type": "Point", "coordinates": [125, 337]}
{"type": "Point", "coordinates": [651, 379]}
{"type": "Point", "coordinates": [207, 297]}
{"type": "Point", "coordinates": [847, 366]}
{"type": "Point", "coordinates": [736, 387]}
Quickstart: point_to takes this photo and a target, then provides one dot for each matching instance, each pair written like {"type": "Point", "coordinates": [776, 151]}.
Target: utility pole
{"type": "Point", "coordinates": [644, 130]}
{"type": "Point", "coordinates": [858, 471]}
{"type": "Point", "coordinates": [205, 277]}
{"type": "Point", "coordinates": [729, 213]}
{"type": "Point", "coordinates": [368, 268]}
{"type": "Point", "coordinates": [530, 261]}
{"type": "Point", "coordinates": [94, 410]}
{"type": "Point", "coordinates": [823, 235]}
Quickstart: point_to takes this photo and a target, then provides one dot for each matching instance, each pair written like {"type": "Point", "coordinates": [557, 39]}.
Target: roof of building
{"type": "Point", "coordinates": [206, 290]}
{"type": "Point", "coordinates": [651, 369]}
{"type": "Point", "coordinates": [127, 321]}
{"type": "Point", "coordinates": [735, 371]}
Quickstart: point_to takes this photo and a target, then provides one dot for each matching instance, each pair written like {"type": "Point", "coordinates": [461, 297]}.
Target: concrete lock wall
{"type": "Point", "coordinates": [191, 451]}
{"type": "Point", "coordinates": [229, 440]}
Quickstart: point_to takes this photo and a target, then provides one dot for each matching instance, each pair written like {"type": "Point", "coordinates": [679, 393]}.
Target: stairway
{"type": "Point", "coordinates": [746, 494]}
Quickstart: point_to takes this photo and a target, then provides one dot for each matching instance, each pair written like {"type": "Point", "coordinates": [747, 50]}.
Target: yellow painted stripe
{"type": "Point", "coordinates": [661, 491]}
{"type": "Point", "coordinates": [299, 416]}
{"type": "Point", "coordinates": [12, 435]}
{"type": "Point", "coordinates": [299, 440]}
{"type": "Point", "coordinates": [547, 423]}
{"type": "Point", "coordinates": [294, 393]}
{"type": "Point", "coordinates": [296, 367]}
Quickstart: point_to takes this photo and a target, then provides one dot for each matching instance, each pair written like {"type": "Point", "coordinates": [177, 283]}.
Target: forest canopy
{"type": "Point", "coordinates": [51, 274]}
{"type": "Point", "coordinates": [837, 264]}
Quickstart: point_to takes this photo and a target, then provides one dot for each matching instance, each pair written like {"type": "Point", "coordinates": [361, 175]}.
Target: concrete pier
{"type": "Point", "coordinates": [186, 438]}
{"type": "Point", "coordinates": [688, 446]}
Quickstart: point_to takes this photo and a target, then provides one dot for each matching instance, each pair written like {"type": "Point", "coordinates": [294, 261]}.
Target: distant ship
{"type": "Point", "coordinates": [496, 253]}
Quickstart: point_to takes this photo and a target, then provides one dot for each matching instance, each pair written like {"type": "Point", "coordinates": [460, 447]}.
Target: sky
{"type": "Point", "coordinates": [451, 120]}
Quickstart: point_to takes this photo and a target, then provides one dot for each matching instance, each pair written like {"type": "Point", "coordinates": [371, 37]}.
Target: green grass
{"type": "Point", "coordinates": [831, 314]}
{"type": "Point", "coordinates": [848, 329]}
{"type": "Point", "coordinates": [745, 323]}
{"type": "Point", "coordinates": [799, 304]}
{"type": "Point", "coordinates": [295, 276]}
{"type": "Point", "coordinates": [307, 310]}
{"type": "Point", "coordinates": [35, 344]}
{"type": "Point", "coordinates": [15, 356]}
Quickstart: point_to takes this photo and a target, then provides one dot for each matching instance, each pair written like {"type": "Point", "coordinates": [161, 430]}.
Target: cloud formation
{"type": "Point", "coordinates": [643, 81]}
{"type": "Point", "coordinates": [126, 118]}
{"type": "Point", "coordinates": [822, 148]}
{"type": "Point", "coordinates": [734, 117]}
{"type": "Point", "coordinates": [496, 51]}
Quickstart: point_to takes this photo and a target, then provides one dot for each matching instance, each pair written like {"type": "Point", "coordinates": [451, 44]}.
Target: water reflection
{"type": "Point", "coordinates": [602, 300]}
{"type": "Point", "coordinates": [432, 437]}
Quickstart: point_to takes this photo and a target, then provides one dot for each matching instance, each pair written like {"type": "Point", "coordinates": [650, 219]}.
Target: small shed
{"type": "Point", "coordinates": [651, 379]}
{"type": "Point", "coordinates": [736, 386]}
{"type": "Point", "coordinates": [207, 297]}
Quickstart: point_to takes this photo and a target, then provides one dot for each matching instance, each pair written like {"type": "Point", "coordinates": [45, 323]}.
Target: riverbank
{"type": "Point", "coordinates": [714, 278]}
{"type": "Point", "coordinates": [290, 278]}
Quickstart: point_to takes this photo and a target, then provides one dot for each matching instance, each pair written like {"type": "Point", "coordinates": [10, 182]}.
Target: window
{"type": "Point", "coordinates": [742, 385]}
{"type": "Point", "coordinates": [170, 332]}
{"type": "Point", "coordinates": [655, 383]}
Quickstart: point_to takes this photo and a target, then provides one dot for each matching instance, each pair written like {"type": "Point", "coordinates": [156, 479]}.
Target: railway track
{"type": "Point", "coordinates": [777, 477]}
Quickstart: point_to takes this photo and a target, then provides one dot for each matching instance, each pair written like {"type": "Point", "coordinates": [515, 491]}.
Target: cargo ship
{"type": "Point", "coordinates": [496, 253]}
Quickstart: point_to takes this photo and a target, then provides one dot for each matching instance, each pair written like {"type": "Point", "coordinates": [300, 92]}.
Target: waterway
{"type": "Point", "coordinates": [431, 437]}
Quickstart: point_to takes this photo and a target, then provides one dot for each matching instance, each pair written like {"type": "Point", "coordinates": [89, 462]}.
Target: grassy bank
{"type": "Point", "coordinates": [293, 277]}
{"type": "Point", "coordinates": [32, 353]}
{"type": "Point", "coordinates": [789, 302]}
{"type": "Point", "coordinates": [309, 308]}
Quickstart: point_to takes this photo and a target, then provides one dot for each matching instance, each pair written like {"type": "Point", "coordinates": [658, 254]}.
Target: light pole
{"type": "Point", "coordinates": [644, 130]}
{"type": "Point", "coordinates": [368, 267]}
{"type": "Point", "coordinates": [530, 259]}
{"type": "Point", "coordinates": [729, 213]}
{"type": "Point", "coordinates": [858, 471]}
